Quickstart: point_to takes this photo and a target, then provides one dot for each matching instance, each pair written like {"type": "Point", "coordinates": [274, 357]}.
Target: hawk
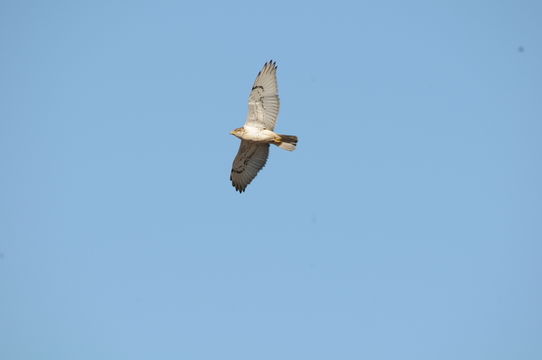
{"type": "Point", "coordinates": [257, 133]}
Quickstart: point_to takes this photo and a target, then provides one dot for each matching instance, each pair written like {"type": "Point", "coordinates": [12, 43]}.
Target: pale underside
{"type": "Point", "coordinates": [263, 109]}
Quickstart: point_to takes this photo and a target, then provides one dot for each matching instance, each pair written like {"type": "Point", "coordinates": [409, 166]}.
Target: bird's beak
{"type": "Point", "coordinates": [231, 132]}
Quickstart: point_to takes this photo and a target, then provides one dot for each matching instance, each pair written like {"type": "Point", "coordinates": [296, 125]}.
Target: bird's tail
{"type": "Point", "coordinates": [287, 142]}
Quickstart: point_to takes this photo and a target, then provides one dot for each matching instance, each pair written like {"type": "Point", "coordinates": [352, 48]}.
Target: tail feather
{"type": "Point", "coordinates": [287, 142]}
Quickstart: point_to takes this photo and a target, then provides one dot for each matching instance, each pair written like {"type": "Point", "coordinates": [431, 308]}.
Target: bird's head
{"type": "Point", "coordinates": [238, 132]}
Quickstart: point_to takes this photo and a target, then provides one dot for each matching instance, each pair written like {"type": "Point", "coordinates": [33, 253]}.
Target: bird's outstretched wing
{"type": "Point", "coordinates": [250, 159]}
{"type": "Point", "coordinates": [263, 102]}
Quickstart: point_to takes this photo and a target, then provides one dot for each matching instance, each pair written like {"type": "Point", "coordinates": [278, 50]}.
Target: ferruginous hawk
{"type": "Point", "coordinates": [257, 133]}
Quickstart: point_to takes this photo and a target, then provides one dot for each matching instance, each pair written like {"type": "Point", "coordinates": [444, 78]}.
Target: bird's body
{"type": "Point", "coordinates": [258, 131]}
{"type": "Point", "coordinates": [252, 133]}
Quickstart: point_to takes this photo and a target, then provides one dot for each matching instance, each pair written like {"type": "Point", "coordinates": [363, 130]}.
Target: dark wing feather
{"type": "Point", "coordinates": [250, 159]}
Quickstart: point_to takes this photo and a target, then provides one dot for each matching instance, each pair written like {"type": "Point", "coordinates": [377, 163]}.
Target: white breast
{"type": "Point", "coordinates": [258, 134]}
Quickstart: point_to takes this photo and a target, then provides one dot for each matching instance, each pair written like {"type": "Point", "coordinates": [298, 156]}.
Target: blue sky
{"type": "Point", "coordinates": [407, 224]}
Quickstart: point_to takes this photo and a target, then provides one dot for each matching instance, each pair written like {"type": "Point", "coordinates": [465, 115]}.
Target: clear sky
{"type": "Point", "coordinates": [407, 224]}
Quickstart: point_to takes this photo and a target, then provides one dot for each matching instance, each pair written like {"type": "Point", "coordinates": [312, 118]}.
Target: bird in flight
{"type": "Point", "coordinates": [257, 133]}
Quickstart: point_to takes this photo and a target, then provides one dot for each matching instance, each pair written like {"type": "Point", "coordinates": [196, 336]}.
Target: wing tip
{"type": "Point", "coordinates": [271, 64]}
{"type": "Point", "coordinates": [237, 187]}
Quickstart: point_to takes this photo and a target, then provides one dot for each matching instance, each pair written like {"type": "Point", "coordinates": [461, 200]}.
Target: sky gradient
{"type": "Point", "coordinates": [407, 224]}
